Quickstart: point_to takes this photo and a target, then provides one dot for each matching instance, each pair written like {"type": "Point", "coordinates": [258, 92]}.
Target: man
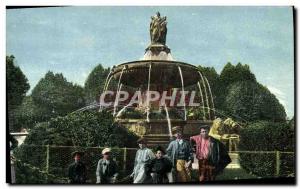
{"type": "Point", "coordinates": [107, 170]}
{"type": "Point", "coordinates": [211, 154]}
{"type": "Point", "coordinates": [180, 153]}
{"type": "Point", "coordinates": [77, 170]}
{"type": "Point", "coordinates": [160, 166]}
{"type": "Point", "coordinates": [143, 157]}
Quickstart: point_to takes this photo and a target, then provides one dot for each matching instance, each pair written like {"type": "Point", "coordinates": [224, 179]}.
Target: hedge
{"type": "Point", "coordinates": [267, 136]}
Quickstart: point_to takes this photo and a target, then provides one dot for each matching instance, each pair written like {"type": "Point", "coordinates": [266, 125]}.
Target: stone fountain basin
{"type": "Point", "coordinates": [163, 73]}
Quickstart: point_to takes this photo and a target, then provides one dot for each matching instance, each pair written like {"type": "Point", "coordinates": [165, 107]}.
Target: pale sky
{"type": "Point", "coordinates": [73, 40]}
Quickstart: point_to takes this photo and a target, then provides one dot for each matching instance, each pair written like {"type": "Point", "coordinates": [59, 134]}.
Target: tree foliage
{"type": "Point", "coordinates": [55, 96]}
{"type": "Point", "coordinates": [231, 74]}
{"type": "Point", "coordinates": [251, 101]}
{"type": "Point", "coordinates": [27, 115]}
{"type": "Point", "coordinates": [16, 83]}
{"type": "Point", "coordinates": [16, 88]}
{"type": "Point", "coordinates": [94, 83]}
{"type": "Point", "coordinates": [85, 129]}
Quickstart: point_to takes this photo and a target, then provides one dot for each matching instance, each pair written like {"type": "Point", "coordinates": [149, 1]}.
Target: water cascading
{"type": "Point", "coordinates": [118, 91]}
{"type": "Point", "coordinates": [148, 89]}
{"type": "Point", "coordinates": [168, 120]}
{"type": "Point", "coordinates": [202, 100]}
{"type": "Point", "coordinates": [183, 92]}
{"type": "Point", "coordinates": [211, 97]}
{"type": "Point", "coordinates": [206, 96]}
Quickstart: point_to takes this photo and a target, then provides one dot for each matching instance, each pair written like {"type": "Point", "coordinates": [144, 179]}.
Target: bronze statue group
{"type": "Point", "coordinates": [172, 165]}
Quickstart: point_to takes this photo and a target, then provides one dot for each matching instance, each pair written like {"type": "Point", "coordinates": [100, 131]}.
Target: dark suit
{"type": "Point", "coordinates": [77, 173]}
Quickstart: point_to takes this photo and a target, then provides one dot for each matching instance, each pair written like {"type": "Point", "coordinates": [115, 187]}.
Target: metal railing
{"type": "Point", "coordinates": [54, 160]}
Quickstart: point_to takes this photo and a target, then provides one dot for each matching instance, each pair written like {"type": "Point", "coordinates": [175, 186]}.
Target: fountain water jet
{"type": "Point", "coordinates": [169, 121]}
{"type": "Point", "coordinates": [182, 85]}
{"type": "Point", "coordinates": [202, 100]}
{"type": "Point", "coordinates": [118, 91]}
{"type": "Point", "coordinates": [206, 97]}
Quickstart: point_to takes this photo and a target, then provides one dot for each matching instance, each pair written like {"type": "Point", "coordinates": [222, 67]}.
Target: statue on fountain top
{"type": "Point", "coordinates": [158, 29]}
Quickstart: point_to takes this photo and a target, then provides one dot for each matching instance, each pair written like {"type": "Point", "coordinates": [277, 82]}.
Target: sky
{"type": "Point", "coordinates": [73, 40]}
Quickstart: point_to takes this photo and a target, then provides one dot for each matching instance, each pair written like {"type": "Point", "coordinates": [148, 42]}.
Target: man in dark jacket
{"type": "Point", "coordinates": [211, 154]}
{"type": "Point", "coordinates": [77, 170]}
{"type": "Point", "coordinates": [107, 170]}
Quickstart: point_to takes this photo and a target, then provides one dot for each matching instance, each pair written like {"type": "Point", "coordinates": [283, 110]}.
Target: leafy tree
{"type": "Point", "coordinates": [28, 114]}
{"type": "Point", "coordinates": [16, 88]}
{"type": "Point", "coordinates": [231, 74]}
{"type": "Point", "coordinates": [55, 96]}
{"type": "Point", "coordinates": [251, 101]}
{"type": "Point", "coordinates": [94, 83]}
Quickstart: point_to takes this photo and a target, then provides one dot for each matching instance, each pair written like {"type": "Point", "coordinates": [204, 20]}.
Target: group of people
{"type": "Point", "coordinates": [172, 165]}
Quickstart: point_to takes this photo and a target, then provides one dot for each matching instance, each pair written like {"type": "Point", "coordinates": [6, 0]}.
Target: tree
{"type": "Point", "coordinates": [55, 96]}
{"type": "Point", "coordinates": [251, 101]}
{"type": "Point", "coordinates": [231, 74]}
{"type": "Point", "coordinates": [27, 114]}
{"type": "Point", "coordinates": [94, 84]}
{"type": "Point", "coordinates": [16, 88]}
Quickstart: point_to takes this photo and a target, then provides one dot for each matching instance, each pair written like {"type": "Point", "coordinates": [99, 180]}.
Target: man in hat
{"type": "Point", "coordinates": [211, 154]}
{"type": "Point", "coordinates": [77, 170]}
{"type": "Point", "coordinates": [160, 166]}
{"type": "Point", "coordinates": [107, 170]}
{"type": "Point", "coordinates": [143, 157]}
{"type": "Point", "coordinates": [181, 155]}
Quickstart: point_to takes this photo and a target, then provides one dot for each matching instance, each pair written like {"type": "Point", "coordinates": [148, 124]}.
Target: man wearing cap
{"type": "Point", "coordinates": [107, 170]}
{"type": "Point", "coordinates": [77, 170]}
{"type": "Point", "coordinates": [211, 154]}
{"type": "Point", "coordinates": [143, 157]}
{"type": "Point", "coordinates": [180, 153]}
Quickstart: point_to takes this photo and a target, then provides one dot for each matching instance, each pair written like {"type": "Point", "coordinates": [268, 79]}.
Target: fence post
{"type": "Point", "coordinates": [47, 159]}
{"type": "Point", "coordinates": [125, 159]}
{"type": "Point", "coordinates": [277, 169]}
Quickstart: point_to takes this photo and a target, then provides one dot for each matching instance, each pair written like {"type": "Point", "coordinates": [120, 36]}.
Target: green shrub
{"type": "Point", "coordinates": [267, 136]}
{"type": "Point", "coordinates": [76, 131]}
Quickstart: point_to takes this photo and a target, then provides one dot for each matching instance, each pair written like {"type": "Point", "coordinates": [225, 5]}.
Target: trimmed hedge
{"type": "Point", "coordinates": [267, 136]}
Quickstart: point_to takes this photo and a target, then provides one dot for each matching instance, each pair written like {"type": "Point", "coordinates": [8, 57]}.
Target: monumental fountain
{"type": "Point", "coordinates": [158, 71]}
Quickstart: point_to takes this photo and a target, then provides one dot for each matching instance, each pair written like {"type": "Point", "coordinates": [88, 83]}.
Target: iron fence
{"type": "Point", "coordinates": [53, 161]}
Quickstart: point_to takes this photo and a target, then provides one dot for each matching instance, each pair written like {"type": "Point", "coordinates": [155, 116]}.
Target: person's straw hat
{"type": "Point", "coordinates": [106, 150]}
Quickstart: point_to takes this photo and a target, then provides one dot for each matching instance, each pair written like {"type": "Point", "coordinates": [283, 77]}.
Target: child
{"type": "Point", "coordinates": [107, 170]}
{"type": "Point", "coordinates": [160, 166]}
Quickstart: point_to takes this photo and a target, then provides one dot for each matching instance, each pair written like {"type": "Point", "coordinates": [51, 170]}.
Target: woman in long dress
{"type": "Point", "coordinates": [143, 157]}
